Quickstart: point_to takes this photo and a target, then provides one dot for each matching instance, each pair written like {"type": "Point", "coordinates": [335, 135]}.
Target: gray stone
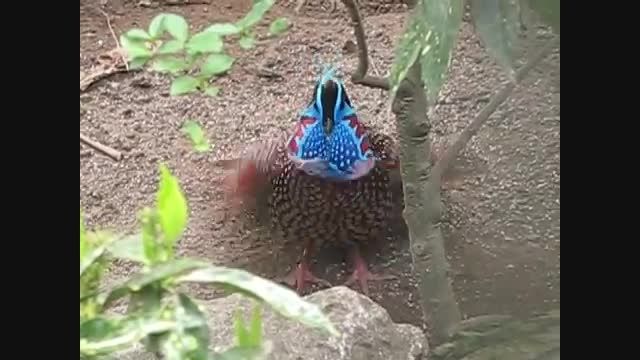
{"type": "Point", "coordinates": [366, 330]}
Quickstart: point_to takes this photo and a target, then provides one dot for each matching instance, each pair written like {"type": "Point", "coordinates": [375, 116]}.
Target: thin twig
{"type": "Point", "coordinates": [497, 99]}
{"type": "Point", "coordinates": [360, 75]}
{"type": "Point", "coordinates": [110, 152]}
{"type": "Point", "coordinates": [99, 74]}
{"type": "Point", "coordinates": [115, 38]}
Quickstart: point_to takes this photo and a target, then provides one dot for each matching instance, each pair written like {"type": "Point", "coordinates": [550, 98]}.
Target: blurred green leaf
{"type": "Point", "coordinates": [216, 64]}
{"type": "Point", "coordinates": [92, 256]}
{"type": "Point", "coordinates": [430, 35]}
{"type": "Point", "coordinates": [407, 50]}
{"type": "Point", "coordinates": [278, 26]}
{"type": "Point", "coordinates": [129, 247]}
{"type": "Point", "coordinates": [134, 48]}
{"type": "Point", "coordinates": [240, 353]}
{"type": "Point", "coordinates": [170, 65]}
{"type": "Point", "coordinates": [281, 299]}
{"type": "Point", "coordinates": [247, 41]}
{"type": "Point", "coordinates": [83, 238]}
{"type": "Point", "coordinates": [156, 27]}
{"type": "Point", "coordinates": [196, 134]}
{"type": "Point", "coordinates": [548, 11]}
{"type": "Point", "coordinates": [177, 26]}
{"type": "Point", "coordinates": [243, 339]}
{"type": "Point", "coordinates": [199, 332]}
{"type": "Point", "coordinates": [224, 29]}
{"type": "Point", "coordinates": [212, 91]}
{"type": "Point", "coordinates": [152, 250]}
{"type": "Point", "coordinates": [170, 47]}
{"type": "Point", "coordinates": [138, 34]}
{"type": "Point", "coordinates": [255, 327]}
{"type": "Point", "coordinates": [205, 42]}
{"type": "Point", "coordinates": [259, 8]}
{"type": "Point", "coordinates": [497, 22]}
{"type": "Point", "coordinates": [171, 206]}
{"type": "Point", "coordinates": [161, 272]}
{"type": "Point", "coordinates": [138, 63]}
{"type": "Point", "coordinates": [443, 19]}
{"type": "Point", "coordinates": [98, 328]}
{"type": "Point", "coordinates": [184, 85]}
{"type": "Point", "coordinates": [132, 331]}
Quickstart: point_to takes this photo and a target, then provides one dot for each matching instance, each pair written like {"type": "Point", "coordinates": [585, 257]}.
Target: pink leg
{"type": "Point", "coordinates": [361, 273]}
{"type": "Point", "coordinates": [302, 274]}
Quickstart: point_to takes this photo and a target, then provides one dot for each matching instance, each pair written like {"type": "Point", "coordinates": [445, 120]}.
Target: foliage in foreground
{"type": "Point", "coordinates": [432, 32]}
{"type": "Point", "coordinates": [160, 315]}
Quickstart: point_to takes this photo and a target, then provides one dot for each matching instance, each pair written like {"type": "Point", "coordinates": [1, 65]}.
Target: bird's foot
{"type": "Point", "coordinates": [300, 275]}
{"type": "Point", "coordinates": [362, 275]}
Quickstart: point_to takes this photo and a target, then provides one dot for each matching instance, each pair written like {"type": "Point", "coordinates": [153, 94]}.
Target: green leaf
{"type": "Point", "coordinates": [152, 250]}
{"type": "Point", "coordinates": [170, 47]}
{"type": "Point", "coordinates": [91, 257]}
{"type": "Point", "coordinates": [156, 27]}
{"type": "Point", "coordinates": [171, 206]}
{"type": "Point", "coordinates": [431, 36]}
{"type": "Point", "coordinates": [138, 34]}
{"type": "Point", "coordinates": [278, 26]}
{"type": "Point", "coordinates": [83, 239]}
{"type": "Point", "coordinates": [131, 332]}
{"type": "Point", "coordinates": [134, 48]}
{"type": "Point", "coordinates": [438, 49]}
{"type": "Point", "coordinates": [161, 272]}
{"type": "Point", "coordinates": [177, 26]}
{"type": "Point", "coordinates": [548, 11]}
{"type": "Point", "coordinates": [129, 248]}
{"type": "Point", "coordinates": [242, 353]}
{"type": "Point", "coordinates": [98, 328]}
{"type": "Point", "coordinates": [205, 42]}
{"type": "Point", "coordinates": [260, 7]}
{"type": "Point", "coordinates": [243, 338]}
{"type": "Point", "coordinates": [138, 63]}
{"type": "Point", "coordinates": [223, 29]}
{"type": "Point", "coordinates": [170, 65]}
{"type": "Point", "coordinates": [184, 85]}
{"type": "Point", "coordinates": [255, 328]}
{"type": "Point", "coordinates": [192, 314]}
{"type": "Point", "coordinates": [247, 41]}
{"type": "Point", "coordinates": [212, 90]}
{"type": "Point", "coordinates": [407, 50]}
{"type": "Point", "coordinates": [197, 136]}
{"type": "Point", "coordinates": [496, 22]}
{"type": "Point", "coordinates": [283, 300]}
{"type": "Point", "coordinates": [216, 64]}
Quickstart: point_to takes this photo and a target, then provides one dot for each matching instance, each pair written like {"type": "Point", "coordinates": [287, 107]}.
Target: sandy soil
{"type": "Point", "coordinates": [502, 220]}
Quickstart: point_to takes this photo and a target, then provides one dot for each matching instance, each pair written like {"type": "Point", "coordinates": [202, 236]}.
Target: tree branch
{"type": "Point", "coordinates": [447, 159]}
{"type": "Point", "coordinates": [112, 153]}
{"type": "Point", "coordinates": [360, 75]}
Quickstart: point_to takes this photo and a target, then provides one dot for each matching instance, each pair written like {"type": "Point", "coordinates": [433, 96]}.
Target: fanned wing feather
{"type": "Point", "coordinates": [252, 171]}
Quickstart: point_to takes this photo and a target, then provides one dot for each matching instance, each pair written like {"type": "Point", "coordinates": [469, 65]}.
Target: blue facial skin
{"type": "Point", "coordinates": [329, 145]}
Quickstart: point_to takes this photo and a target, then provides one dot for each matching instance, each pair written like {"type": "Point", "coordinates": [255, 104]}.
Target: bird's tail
{"type": "Point", "coordinates": [250, 173]}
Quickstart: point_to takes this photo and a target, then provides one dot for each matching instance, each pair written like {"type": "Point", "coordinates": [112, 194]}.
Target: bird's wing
{"type": "Point", "coordinates": [250, 172]}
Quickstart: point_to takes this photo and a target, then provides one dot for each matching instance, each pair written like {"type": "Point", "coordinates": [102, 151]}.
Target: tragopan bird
{"type": "Point", "coordinates": [328, 180]}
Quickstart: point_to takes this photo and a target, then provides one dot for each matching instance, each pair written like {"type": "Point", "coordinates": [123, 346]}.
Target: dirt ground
{"type": "Point", "coordinates": [502, 221]}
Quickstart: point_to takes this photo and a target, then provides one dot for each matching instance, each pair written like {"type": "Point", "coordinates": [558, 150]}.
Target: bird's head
{"type": "Point", "coordinates": [329, 140]}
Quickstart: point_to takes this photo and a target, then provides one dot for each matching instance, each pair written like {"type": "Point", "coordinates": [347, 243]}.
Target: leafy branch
{"type": "Point", "coordinates": [422, 59]}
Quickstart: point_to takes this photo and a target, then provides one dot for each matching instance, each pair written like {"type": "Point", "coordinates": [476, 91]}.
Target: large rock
{"type": "Point", "coordinates": [367, 331]}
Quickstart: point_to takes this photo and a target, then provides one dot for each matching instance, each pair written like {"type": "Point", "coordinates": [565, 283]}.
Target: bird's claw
{"type": "Point", "coordinates": [362, 277]}
{"type": "Point", "coordinates": [301, 275]}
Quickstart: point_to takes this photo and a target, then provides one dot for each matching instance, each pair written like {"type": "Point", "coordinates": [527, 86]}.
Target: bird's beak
{"type": "Point", "coordinates": [327, 121]}
{"type": "Point", "coordinates": [329, 99]}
